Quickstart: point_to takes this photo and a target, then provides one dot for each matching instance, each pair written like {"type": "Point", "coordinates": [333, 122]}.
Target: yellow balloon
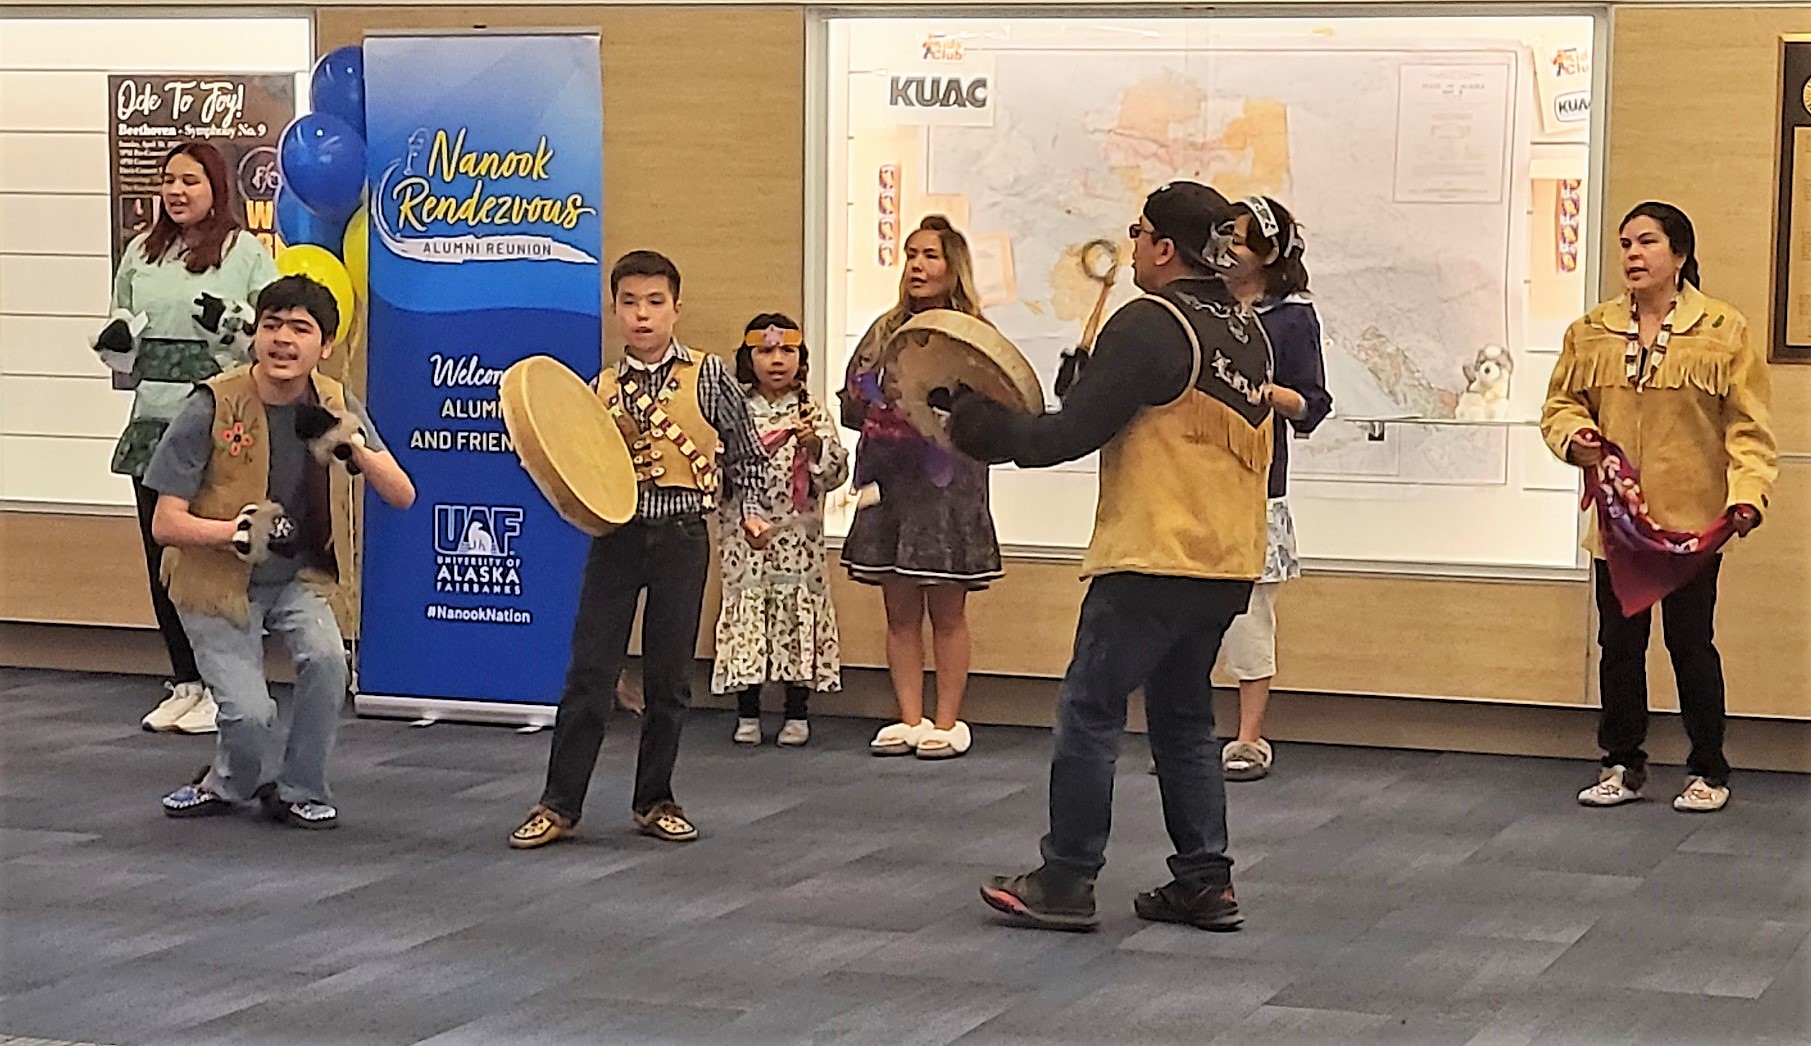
{"type": "Point", "coordinates": [356, 250]}
{"type": "Point", "coordinates": [319, 264]}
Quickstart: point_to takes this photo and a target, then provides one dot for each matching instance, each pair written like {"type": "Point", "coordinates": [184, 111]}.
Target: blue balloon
{"type": "Point", "coordinates": [296, 224]}
{"type": "Point", "coordinates": [322, 161]}
{"type": "Point", "coordinates": [339, 85]}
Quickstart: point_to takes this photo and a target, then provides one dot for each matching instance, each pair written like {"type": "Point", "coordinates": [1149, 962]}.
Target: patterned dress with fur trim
{"type": "Point", "coordinates": [777, 623]}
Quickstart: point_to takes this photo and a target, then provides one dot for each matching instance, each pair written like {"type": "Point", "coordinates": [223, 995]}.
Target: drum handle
{"type": "Point", "coordinates": [1092, 330]}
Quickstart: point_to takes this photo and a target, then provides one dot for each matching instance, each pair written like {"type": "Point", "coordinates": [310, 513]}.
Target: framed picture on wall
{"type": "Point", "coordinates": [1790, 329]}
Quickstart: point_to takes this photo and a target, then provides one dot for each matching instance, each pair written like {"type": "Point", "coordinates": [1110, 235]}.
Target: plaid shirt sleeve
{"type": "Point", "coordinates": [721, 400]}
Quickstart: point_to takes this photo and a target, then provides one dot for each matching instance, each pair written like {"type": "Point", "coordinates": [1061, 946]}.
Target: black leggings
{"type": "Point", "coordinates": [169, 625]}
{"type": "Point", "coordinates": [798, 700]}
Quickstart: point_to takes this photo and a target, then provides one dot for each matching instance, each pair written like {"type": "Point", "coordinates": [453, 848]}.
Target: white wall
{"type": "Point", "coordinates": [59, 416]}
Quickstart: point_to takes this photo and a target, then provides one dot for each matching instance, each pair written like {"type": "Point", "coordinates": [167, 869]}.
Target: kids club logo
{"type": "Point", "coordinates": [449, 201]}
{"type": "Point", "coordinates": [475, 549]}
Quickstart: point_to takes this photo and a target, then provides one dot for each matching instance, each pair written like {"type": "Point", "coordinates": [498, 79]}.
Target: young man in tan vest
{"type": "Point", "coordinates": [678, 409]}
{"type": "Point", "coordinates": [1176, 399]}
{"type": "Point", "coordinates": [254, 488]}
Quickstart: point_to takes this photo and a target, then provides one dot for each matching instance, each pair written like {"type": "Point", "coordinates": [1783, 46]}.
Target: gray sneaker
{"type": "Point", "coordinates": [306, 814]}
{"type": "Point", "coordinates": [794, 734]}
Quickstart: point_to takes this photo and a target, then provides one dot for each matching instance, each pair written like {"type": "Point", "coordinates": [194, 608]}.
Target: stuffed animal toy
{"type": "Point", "coordinates": [1486, 395]}
{"type": "Point", "coordinates": [263, 529]}
{"type": "Point", "coordinates": [230, 325]}
{"type": "Point", "coordinates": [117, 342]}
{"type": "Point", "coordinates": [330, 436]}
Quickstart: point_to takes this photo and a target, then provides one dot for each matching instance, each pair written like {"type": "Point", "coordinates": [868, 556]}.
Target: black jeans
{"type": "Point", "coordinates": [798, 702]}
{"type": "Point", "coordinates": [169, 625]}
{"type": "Point", "coordinates": [1162, 633]}
{"type": "Point", "coordinates": [668, 560]}
{"type": "Point", "coordinates": [1687, 620]}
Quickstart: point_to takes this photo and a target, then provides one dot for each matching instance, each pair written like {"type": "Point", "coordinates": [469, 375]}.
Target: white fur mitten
{"type": "Point", "coordinates": [263, 529]}
{"type": "Point", "coordinates": [117, 342]}
{"type": "Point", "coordinates": [330, 435]}
{"type": "Point", "coordinates": [229, 324]}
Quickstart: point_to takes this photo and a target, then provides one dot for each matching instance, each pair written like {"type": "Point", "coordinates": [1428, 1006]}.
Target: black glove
{"type": "Point", "coordinates": [114, 337]}
{"type": "Point", "coordinates": [1070, 369]}
{"type": "Point", "coordinates": [942, 398]}
{"type": "Point", "coordinates": [977, 426]}
{"type": "Point", "coordinates": [210, 310]}
{"type": "Point", "coordinates": [330, 436]}
{"type": "Point", "coordinates": [265, 529]}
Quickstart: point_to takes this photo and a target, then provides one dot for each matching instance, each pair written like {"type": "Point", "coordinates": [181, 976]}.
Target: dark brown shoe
{"type": "Point", "coordinates": [1205, 907]}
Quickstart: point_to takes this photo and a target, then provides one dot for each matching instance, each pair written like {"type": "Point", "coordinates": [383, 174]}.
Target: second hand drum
{"type": "Point", "coordinates": [568, 444]}
{"type": "Point", "coordinates": [940, 349]}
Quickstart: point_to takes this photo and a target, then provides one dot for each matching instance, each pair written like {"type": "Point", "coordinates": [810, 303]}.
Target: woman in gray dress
{"type": "Point", "coordinates": [929, 540]}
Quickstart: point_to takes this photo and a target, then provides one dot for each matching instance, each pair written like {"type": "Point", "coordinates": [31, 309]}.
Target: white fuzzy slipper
{"type": "Point", "coordinates": [946, 744]}
{"type": "Point", "coordinates": [900, 739]}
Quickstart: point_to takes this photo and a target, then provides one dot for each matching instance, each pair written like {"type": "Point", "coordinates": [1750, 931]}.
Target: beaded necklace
{"type": "Point", "coordinates": [1631, 356]}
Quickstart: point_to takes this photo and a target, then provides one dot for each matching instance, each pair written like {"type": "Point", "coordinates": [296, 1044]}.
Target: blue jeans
{"type": "Point", "coordinates": [1161, 633]}
{"type": "Point", "coordinates": [263, 740]}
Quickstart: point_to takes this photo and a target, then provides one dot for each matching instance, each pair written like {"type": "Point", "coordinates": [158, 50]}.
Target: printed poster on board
{"type": "Point", "coordinates": [241, 114]}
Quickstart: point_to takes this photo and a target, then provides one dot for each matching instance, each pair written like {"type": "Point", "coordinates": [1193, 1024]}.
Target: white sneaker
{"type": "Point", "coordinates": [182, 698]}
{"type": "Point", "coordinates": [1701, 797]}
{"type": "Point", "coordinates": [795, 733]}
{"type": "Point", "coordinates": [199, 719]}
{"type": "Point", "coordinates": [1610, 789]}
{"type": "Point", "coordinates": [748, 731]}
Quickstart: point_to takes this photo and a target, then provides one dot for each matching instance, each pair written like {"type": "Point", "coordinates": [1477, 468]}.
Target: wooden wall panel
{"type": "Point", "coordinates": [69, 569]}
{"type": "Point", "coordinates": [1694, 107]}
{"type": "Point", "coordinates": [1695, 125]}
{"type": "Point", "coordinates": [1518, 642]}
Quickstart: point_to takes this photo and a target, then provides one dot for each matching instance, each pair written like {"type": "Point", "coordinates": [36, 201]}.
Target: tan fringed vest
{"type": "Point", "coordinates": [214, 580]}
{"type": "Point", "coordinates": [683, 454]}
{"type": "Point", "coordinates": [1183, 491]}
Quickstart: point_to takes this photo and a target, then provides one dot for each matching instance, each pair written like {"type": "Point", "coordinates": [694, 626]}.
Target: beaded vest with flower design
{"type": "Point", "coordinates": [214, 580]}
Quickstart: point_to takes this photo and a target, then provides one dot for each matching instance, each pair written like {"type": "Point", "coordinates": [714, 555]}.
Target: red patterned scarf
{"type": "Point", "coordinates": [1647, 562]}
{"type": "Point", "coordinates": [771, 441]}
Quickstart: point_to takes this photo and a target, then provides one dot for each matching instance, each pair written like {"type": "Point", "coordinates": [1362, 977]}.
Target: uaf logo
{"type": "Point", "coordinates": [475, 549]}
{"type": "Point", "coordinates": [938, 92]}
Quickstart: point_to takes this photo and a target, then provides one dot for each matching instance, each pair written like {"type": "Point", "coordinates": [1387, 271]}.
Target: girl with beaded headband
{"type": "Point", "coordinates": [777, 623]}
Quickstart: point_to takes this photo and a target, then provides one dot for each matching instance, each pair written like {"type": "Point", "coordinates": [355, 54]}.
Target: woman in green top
{"type": "Point", "coordinates": [181, 314]}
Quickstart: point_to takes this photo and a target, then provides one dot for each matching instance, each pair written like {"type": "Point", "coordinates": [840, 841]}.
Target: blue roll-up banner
{"type": "Point", "coordinates": [486, 184]}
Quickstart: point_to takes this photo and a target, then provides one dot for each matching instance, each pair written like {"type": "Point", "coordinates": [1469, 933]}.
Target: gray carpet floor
{"type": "Point", "coordinates": [1391, 897]}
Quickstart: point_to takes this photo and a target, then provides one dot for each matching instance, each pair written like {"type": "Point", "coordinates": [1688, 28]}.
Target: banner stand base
{"type": "Point", "coordinates": [449, 710]}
